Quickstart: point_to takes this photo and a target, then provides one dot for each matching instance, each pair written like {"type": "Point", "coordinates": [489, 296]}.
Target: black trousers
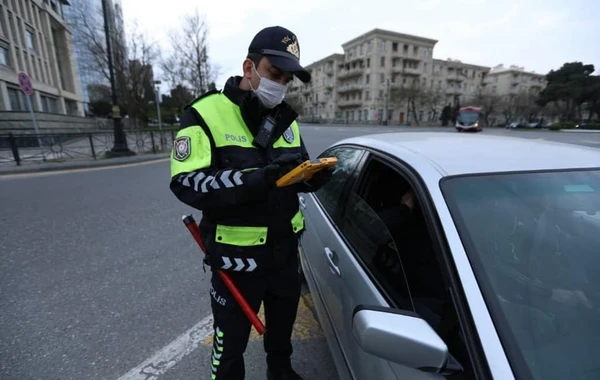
{"type": "Point", "coordinates": [276, 284]}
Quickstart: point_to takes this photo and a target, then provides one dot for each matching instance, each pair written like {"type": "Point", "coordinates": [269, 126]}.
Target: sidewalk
{"type": "Point", "coordinates": [35, 167]}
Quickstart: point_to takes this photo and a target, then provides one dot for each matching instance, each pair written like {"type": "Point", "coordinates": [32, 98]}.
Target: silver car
{"type": "Point", "coordinates": [493, 271]}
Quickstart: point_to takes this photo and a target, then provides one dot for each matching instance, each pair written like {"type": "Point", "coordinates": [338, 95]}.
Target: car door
{"type": "Point", "coordinates": [367, 260]}
{"type": "Point", "coordinates": [322, 210]}
{"type": "Point", "coordinates": [417, 277]}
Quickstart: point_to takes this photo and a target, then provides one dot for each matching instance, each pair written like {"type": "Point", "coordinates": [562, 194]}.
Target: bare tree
{"type": "Point", "coordinates": [139, 80]}
{"type": "Point", "coordinates": [189, 62]}
{"type": "Point", "coordinates": [90, 39]}
{"type": "Point", "coordinates": [433, 98]}
{"type": "Point", "coordinates": [409, 94]}
{"type": "Point", "coordinates": [490, 103]}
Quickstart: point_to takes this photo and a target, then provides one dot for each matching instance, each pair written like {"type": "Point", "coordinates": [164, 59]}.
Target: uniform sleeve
{"type": "Point", "coordinates": [196, 179]}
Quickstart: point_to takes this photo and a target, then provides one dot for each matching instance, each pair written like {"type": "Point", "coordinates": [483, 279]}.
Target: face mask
{"type": "Point", "coordinates": [269, 92]}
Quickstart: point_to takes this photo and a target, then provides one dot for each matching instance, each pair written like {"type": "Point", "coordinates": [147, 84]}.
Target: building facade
{"type": "Point", "coordinates": [389, 77]}
{"type": "Point", "coordinates": [35, 38]}
{"type": "Point", "coordinates": [514, 80]}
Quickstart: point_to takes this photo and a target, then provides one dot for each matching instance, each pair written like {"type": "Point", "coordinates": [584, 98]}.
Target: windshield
{"type": "Point", "coordinates": [534, 242]}
{"type": "Point", "coordinates": [469, 117]}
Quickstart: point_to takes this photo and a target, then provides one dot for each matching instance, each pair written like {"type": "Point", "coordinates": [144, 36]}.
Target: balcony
{"type": "Point", "coordinates": [349, 103]}
{"type": "Point", "coordinates": [328, 70]}
{"type": "Point", "coordinates": [358, 71]}
{"type": "Point", "coordinates": [454, 91]}
{"type": "Point", "coordinates": [413, 71]}
{"type": "Point", "coordinates": [356, 58]}
{"type": "Point", "coordinates": [350, 88]}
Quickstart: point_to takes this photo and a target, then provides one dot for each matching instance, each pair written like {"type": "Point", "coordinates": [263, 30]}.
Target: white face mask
{"type": "Point", "coordinates": [269, 92]}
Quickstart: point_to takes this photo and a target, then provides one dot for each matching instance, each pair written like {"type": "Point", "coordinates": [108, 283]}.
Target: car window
{"type": "Point", "coordinates": [331, 194]}
{"type": "Point", "coordinates": [372, 242]}
{"type": "Point", "coordinates": [390, 236]}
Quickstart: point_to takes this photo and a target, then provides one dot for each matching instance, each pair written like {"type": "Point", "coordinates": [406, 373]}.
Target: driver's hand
{"type": "Point", "coordinates": [571, 297]}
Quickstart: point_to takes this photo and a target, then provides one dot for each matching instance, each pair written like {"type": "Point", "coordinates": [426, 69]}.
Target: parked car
{"type": "Point", "coordinates": [495, 275]}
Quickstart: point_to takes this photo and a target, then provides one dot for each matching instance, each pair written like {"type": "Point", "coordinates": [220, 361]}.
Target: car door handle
{"type": "Point", "coordinates": [330, 257]}
{"type": "Point", "coordinates": [302, 202]}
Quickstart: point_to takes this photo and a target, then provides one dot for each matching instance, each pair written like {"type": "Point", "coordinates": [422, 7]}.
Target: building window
{"type": "Point", "coordinates": [425, 67]}
{"type": "Point", "coordinates": [49, 104]}
{"type": "Point", "coordinates": [415, 51]}
{"type": "Point", "coordinates": [368, 62]}
{"type": "Point", "coordinates": [367, 78]}
{"type": "Point", "coordinates": [382, 61]}
{"type": "Point", "coordinates": [383, 46]}
{"type": "Point", "coordinates": [381, 78]}
{"type": "Point", "coordinates": [2, 24]}
{"type": "Point", "coordinates": [17, 99]}
{"type": "Point", "coordinates": [4, 56]}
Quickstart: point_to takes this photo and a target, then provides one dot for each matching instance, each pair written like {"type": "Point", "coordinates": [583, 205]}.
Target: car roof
{"type": "Point", "coordinates": [466, 153]}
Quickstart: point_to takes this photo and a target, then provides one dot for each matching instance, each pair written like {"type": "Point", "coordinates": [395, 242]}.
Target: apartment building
{"type": "Point", "coordinates": [377, 66]}
{"type": "Point", "coordinates": [317, 99]}
{"type": "Point", "coordinates": [457, 82]}
{"type": "Point", "coordinates": [513, 80]}
{"type": "Point", "coordinates": [35, 38]}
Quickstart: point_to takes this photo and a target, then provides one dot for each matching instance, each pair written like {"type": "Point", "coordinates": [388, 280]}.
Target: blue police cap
{"type": "Point", "coordinates": [282, 48]}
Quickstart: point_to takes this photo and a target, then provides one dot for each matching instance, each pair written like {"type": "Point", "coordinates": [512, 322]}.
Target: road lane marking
{"type": "Point", "coordinates": [88, 169]}
{"type": "Point", "coordinates": [306, 326]}
{"type": "Point", "coordinates": [168, 356]}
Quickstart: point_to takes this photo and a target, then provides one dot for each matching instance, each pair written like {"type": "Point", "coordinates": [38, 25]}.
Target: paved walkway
{"type": "Point", "coordinates": [32, 167]}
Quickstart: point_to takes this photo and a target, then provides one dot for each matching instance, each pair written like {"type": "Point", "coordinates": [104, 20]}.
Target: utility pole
{"type": "Point", "coordinates": [387, 102]}
{"type": "Point", "coordinates": [120, 148]}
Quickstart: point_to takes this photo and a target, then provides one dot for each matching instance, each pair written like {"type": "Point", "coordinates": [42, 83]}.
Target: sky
{"type": "Point", "coordinates": [538, 35]}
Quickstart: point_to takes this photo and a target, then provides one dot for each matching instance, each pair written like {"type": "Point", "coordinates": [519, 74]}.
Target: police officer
{"type": "Point", "coordinates": [232, 147]}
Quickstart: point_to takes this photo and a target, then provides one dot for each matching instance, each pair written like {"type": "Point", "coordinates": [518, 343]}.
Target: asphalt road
{"type": "Point", "coordinates": [99, 279]}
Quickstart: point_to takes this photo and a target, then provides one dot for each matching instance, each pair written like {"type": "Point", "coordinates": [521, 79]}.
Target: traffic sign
{"type": "Point", "coordinates": [25, 83]}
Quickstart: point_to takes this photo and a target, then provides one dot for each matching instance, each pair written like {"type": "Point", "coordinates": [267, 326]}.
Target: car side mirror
{"type": "Point", "coordinates": [401, 337]}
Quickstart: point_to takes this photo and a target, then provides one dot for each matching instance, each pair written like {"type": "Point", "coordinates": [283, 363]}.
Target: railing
{"type": "Point", "coordinates": [23, 149]}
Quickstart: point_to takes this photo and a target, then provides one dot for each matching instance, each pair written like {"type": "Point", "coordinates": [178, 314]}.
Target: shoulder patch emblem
{"type": "Point", "coordinates": [288, 135]}
{"type": "Point", "coordinates": [182, 148]}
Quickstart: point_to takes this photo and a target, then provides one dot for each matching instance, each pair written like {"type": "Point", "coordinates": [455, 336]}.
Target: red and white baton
{"type": "Point", "coordinates": [192, 226]}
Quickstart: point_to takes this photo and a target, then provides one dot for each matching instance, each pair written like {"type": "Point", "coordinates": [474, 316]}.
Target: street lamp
{"type": "Point", "coordinates": [120, 148]}
{"type": "Point", "coordinates": [157, 92]}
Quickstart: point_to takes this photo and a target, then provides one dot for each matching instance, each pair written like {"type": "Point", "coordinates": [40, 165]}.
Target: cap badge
{"type": "Point", "coordinates": [293, 49]}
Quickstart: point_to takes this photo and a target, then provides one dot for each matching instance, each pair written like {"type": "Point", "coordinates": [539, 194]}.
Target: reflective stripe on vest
{"type": "Point", "coordinates": [227, 126]}
{"type": "Point", "coordinates": [245, 236]}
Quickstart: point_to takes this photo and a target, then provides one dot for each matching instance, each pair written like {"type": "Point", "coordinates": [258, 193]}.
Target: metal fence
{"type": "Point", "coordinates": [23, 149]}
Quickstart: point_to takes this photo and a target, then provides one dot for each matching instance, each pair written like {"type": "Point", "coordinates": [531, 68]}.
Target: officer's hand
{"type": "Point", "coordinates": [272, 173]}
{"type": "Point", "coordinates": [287, 162]}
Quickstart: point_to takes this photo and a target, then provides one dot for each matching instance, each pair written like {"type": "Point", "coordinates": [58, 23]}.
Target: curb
{"type": "Point", "coordinates": [106, 162]}
{"type": "Point", "coordinates": [580, 130]}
